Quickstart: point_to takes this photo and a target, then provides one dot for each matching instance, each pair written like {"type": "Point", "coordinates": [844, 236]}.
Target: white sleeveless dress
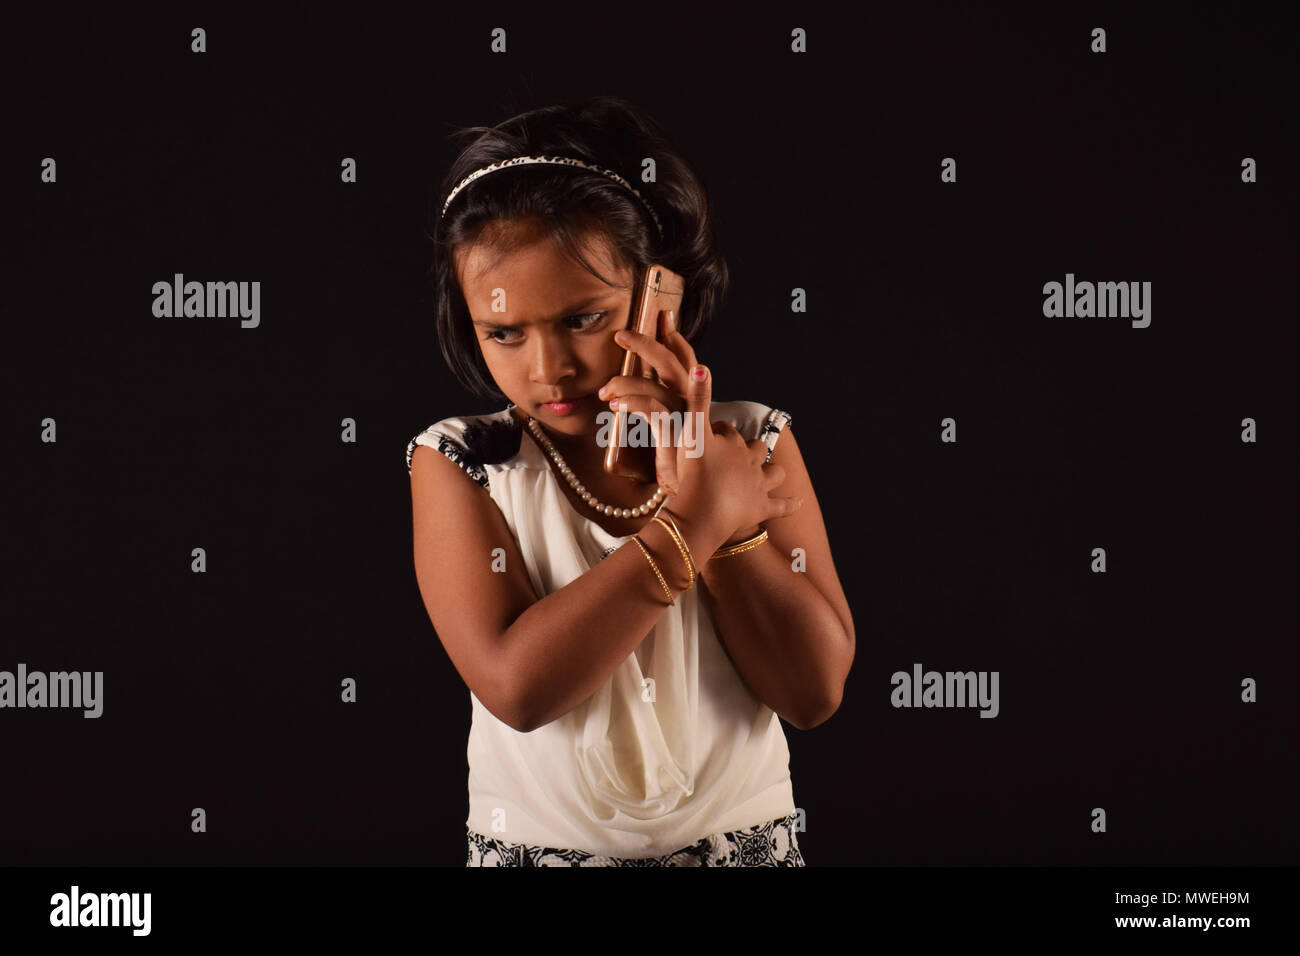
{"type": "Point", "coordinates": [619, 776]}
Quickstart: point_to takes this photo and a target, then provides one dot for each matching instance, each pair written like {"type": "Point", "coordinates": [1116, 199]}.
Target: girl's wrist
{"type": "Point", "coordinates": [702, 538]}
{"type": "Point", "coordinates": [744, 534]}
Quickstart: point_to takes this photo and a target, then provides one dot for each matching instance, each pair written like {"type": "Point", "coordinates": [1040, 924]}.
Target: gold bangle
{"type": "Point", "coordinates": [654, 567]}
{"type": "Point", "coordinates": [695, 571]}
{"type": "Point", "coordinates": [753, 542]}
{"type": "Point", "coordinates": [681, 546]}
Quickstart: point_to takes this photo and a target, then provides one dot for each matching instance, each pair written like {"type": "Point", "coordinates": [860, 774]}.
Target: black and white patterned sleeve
{"type": "Point", "coordinates": [437, 438]}
{"type": "Point", "coordinates": [773, 424]}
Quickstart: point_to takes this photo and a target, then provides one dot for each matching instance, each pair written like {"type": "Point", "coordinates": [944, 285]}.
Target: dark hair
{"type": "Point", "coordinates": [570, 202]}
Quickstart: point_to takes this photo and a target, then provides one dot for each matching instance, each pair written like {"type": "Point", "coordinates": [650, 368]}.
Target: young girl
{"type": "Point", "coordinates": [629, 646]}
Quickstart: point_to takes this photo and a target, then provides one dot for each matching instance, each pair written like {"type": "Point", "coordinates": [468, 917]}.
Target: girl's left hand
{"type": "Point", "coordinates": [672, 359]}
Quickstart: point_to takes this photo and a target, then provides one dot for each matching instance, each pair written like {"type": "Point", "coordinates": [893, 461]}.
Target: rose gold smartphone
{"type": "Point", "coordinates": [660, 290]}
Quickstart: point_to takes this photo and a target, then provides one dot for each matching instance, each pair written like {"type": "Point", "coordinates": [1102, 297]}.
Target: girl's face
{"type": "Point", "coordinates": [546, 325]}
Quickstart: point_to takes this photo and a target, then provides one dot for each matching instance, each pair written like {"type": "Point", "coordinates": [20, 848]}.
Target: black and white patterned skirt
{"type": "Point", "coordinates": [766, 844]}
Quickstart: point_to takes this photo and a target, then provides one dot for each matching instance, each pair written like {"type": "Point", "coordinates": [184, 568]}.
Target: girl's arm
{"type": "Point", "coordinates": [530, 660]}
{"type": "Point", "coordinates": [788, 632]}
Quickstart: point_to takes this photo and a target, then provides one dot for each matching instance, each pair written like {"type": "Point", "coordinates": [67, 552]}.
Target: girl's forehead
{"type": "Point", "coordinates": [532, 265]}
{"type": "Point", "coordinates": [540, 259]}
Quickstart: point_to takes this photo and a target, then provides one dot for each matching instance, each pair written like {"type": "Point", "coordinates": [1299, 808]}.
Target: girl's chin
{"type": "Point", "coordinates": [575, 423]}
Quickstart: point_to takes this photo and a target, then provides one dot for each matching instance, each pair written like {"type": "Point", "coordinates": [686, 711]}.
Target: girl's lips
{"type": "Point", "coordinates": [564, 408]}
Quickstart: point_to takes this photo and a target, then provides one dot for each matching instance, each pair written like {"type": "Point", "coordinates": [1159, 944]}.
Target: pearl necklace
{"type": "Point", "coordinates": [586, 495]}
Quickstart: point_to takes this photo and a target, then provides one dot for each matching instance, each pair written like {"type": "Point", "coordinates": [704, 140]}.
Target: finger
{"type": "Point", "coordinates": [783, 507]}
{"type": "Point", "coordinates": [657, 356]}
{"type": "Point", "coordinates": [773, 475]}
{"type": "Point", "coordinates": [725, 431]}
{"type": "Point", "coordinates": [660, 426]}
{"type": "Point", "coordinates": [699, 397]}
{"type": "Point", "coordinates": [757, 451]}
{"type": "Point", "coordinates": [625, 386]}
{"type": "Point", "coordinates": [675, 341]}
{"type": "Point", "coordinates": [666, 458]}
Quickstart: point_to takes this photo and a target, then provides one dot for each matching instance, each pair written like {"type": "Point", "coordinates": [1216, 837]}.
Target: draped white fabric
{"type": "Point", "coordinates": [639, 768]}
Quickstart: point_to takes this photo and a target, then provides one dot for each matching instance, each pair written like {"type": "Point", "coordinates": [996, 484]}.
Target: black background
{"type": "Point", "coordinates": [221, 690]}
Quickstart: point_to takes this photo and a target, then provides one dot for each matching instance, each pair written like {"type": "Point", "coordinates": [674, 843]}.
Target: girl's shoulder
{"type": "Point", "coordinates": [472, 441]}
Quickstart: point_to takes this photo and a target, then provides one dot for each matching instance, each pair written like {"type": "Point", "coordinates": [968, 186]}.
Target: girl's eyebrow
{"type": "Point", "coordinates": [573, 309]}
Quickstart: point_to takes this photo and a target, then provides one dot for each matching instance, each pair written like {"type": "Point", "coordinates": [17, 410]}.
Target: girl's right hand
{"type": "Point", "coordinates": [725, 487]}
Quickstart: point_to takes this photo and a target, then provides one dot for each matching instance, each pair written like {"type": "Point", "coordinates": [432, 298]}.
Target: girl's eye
{"type": "Point", "coordinates": [584, 322]}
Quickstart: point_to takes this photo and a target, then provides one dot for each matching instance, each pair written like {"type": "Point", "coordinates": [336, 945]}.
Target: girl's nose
{"type": "Point", "coordinates": [552, 361]}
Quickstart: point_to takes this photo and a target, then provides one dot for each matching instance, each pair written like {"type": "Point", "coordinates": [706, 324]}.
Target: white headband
{"type": "Point", "coordinates": [557, 161]}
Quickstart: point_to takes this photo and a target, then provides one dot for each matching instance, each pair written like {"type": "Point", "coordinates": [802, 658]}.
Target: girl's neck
{"type": "Point", "coordinates": [584, 456]}
{"type": "Point", "coordinates": [580, 452]}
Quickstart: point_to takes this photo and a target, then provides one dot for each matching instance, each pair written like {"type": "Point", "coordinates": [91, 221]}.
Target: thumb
{"type": "Point", "coordinates": [784, 507]}
{"type": "Point", "coordinates": [696, 428]}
